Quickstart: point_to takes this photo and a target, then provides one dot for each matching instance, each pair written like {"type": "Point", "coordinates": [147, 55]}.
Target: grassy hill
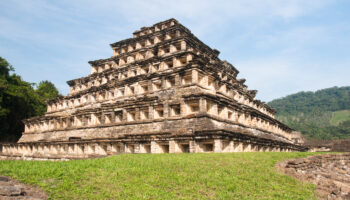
{"type": "Point", "coordinates": [164, 176]}
{"type": "Point", "coordinates": [324, 114]}
{"type": "Point", "coordinates": [339, 117]}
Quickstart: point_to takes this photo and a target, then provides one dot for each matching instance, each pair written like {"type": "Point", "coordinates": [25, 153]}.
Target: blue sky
{"type": "Point", "coordinates": [280, 47]}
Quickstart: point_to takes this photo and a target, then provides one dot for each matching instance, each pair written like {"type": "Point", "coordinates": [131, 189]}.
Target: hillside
{"type": "Point", "coordinates": [324, 114]}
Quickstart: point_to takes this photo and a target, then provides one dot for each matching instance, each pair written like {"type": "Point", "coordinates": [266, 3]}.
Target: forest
{"type": "Point", "coordinates": [324, 114]}
{"type": "Point", "coordinates": [20, 100]}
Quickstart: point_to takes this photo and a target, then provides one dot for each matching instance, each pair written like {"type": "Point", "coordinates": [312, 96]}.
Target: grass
{"type": "Point", "coordinates": [340, 116]}
{"type": "Point", "coordinates": [164, 176]}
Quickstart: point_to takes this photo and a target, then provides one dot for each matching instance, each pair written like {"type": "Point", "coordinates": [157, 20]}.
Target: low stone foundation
{"type": "Point", "coordinates": [79, 149]}
{"type": "Point", "coordinates": [331, 173]}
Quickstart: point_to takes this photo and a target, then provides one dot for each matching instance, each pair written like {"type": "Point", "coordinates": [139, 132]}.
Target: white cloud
{"type": "Point", "coordinates": [276, 61]}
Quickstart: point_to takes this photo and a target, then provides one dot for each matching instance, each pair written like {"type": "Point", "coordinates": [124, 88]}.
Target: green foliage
{"type": "Point", "coordinates": [18, 101]}
{"type": "Point", "coordinates": [46, 90]}
{"type": "Point", "coordinates": [164, 176]}
{"type": "Point", "coordinates": [318, 115]}
{"type": "Point", "coordinates": [331, 99]}
{"type": "Point", "coordinates": [340, 116]}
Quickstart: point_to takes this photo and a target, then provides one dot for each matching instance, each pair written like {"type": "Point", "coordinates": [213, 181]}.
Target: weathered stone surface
{"type": "Point", "coordinates": [331, 174]}
{"type": "Point", "coordinates": [3, 179]}
{"type": "Point", "coordinates": [14, 190]}
{"type": "Point", "coordinates": [162, 91]}
{"type": "Point", "coordinates": [329, 145]}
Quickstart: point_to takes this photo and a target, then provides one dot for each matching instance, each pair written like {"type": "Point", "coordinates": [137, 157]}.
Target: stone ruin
{"type": "Point", "coordinates": [330, 173]}
{"type": "Point", "coordinates": [341, 145]}
{"type": "Point", "coordinates": [162, 91]}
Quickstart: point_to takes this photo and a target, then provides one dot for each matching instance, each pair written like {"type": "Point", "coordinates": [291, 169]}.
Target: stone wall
{"type": "Point", "coordinates": [330, 145]}
{"type": "Point", "coordinates": [331, 174]}
{"type": "Point", "coordinates": [201, 143]}
{"type": "Point", "coordinates": [174, 126]}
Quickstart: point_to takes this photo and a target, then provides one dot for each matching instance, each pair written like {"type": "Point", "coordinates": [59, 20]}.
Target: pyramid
{"type": "Point", "coordinates": [162, 91]}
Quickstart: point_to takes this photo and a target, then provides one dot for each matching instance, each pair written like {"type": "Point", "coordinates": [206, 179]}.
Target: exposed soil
{"type": "Point", "coordinates": [329, 172]}
{"type": "Point", "coordinates": [12, 189]}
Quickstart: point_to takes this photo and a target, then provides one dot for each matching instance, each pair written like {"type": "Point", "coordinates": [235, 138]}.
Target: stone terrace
{"type": "Point", "coordinates": [161, 91]}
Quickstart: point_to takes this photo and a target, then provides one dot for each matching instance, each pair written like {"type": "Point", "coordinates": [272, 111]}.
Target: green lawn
{"type": "Point", "coordinates": [164, 176]}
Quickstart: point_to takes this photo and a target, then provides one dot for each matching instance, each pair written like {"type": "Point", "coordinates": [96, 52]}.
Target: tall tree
{"type": "Point", "coordinates": [5, 68]}
{"type": "Point", "coordinates": [18, 101]}
{"type": "Point", "coordinates": [46, 91]}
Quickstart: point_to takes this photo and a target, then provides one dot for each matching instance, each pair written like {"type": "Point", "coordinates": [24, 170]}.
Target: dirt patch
{"type": "Point", "coordinates": [13, 189]}
{"type": "Point", "coordinates": [330, 173]}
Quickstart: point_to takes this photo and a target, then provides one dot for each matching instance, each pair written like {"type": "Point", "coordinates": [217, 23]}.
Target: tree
{"type": "Point", "coordinates": [46, 91]}
{"type": "Point", "coordinates": [315, 113]}
{"type": "Point", "coordinates": [18, 101]}
{"type": "Point", "coordinates": [4, 73]}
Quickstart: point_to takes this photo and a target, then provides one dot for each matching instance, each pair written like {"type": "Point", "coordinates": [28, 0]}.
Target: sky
{"type": "Point", "coordinates": [280, 46]}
